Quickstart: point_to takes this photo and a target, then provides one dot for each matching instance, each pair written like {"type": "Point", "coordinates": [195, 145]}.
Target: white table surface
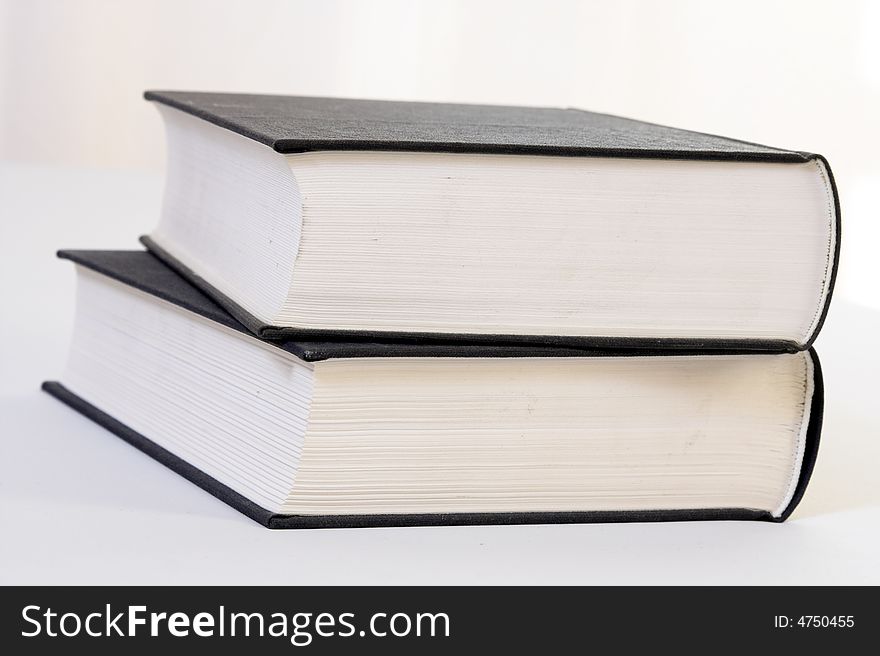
{"type": "Point", "coordinates": [78, 505]}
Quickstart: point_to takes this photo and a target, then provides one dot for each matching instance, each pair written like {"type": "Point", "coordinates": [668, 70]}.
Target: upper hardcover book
{"type": "Point", "coordinates": [317, 217]}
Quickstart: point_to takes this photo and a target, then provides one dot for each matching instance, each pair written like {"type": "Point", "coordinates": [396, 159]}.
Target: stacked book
{"type": "Point", "coordinates": [363, 313]}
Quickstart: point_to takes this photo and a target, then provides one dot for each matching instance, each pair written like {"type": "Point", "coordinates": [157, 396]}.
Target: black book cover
{"type": "Point", "coordinates": [293, 124]}
{"type": "Point", "coordinates": [143, 271]}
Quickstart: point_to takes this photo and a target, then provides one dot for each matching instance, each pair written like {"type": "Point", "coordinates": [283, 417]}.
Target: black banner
{"type": "Point", "coordinates": [433, 620]}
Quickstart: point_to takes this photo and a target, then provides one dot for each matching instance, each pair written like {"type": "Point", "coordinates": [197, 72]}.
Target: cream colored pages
{"type": "Point", "coordinates": [430, 435]}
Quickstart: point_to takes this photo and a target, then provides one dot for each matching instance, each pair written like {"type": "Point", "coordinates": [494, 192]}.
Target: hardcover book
{"type": "Point", "coordinates": [372, 433]}
{"type": "Point", "coordinates": [322, 218]}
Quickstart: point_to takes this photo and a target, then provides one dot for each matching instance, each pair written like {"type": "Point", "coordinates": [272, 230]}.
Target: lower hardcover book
{"type": "Point", "coordinates": [307, 435]}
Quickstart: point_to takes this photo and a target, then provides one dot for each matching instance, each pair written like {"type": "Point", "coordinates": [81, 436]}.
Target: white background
{"type": "Point", "coordinates": [82, 159]}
